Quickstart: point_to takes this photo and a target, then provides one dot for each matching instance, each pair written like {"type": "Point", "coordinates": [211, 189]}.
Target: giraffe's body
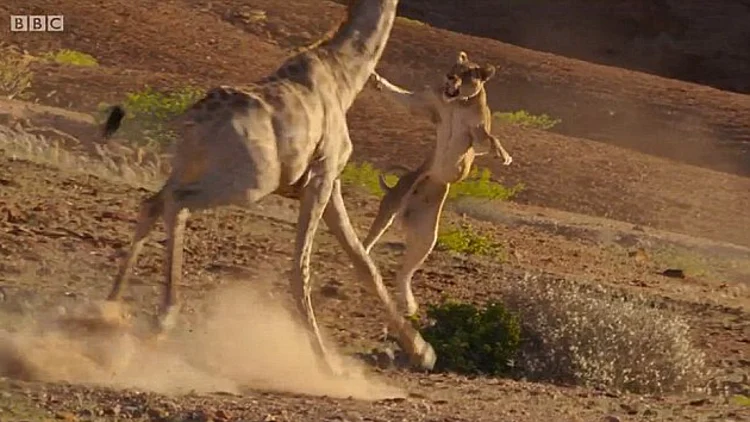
{"type": "Point", "coordinates": [285, 134]}
{"type": "Point", "coordinates": [463, 119]}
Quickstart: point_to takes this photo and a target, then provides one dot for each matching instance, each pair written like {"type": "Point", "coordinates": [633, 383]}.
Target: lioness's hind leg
{"type": "Point", "coordinates": [392, 203]}
{"type": "Point", "coordinates": [421, 220]}
{"type": "Point", "coordinates": [389, 206]}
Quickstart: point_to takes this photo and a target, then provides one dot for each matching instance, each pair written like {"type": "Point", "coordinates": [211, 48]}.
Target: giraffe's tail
{"type": "Point", "coordinates": [113, 122]}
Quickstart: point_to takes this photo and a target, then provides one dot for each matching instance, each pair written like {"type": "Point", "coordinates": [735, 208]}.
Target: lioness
{"type": "Point", "coordinates": [459, 109]}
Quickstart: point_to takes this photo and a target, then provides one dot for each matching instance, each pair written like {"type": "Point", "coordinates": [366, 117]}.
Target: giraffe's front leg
{"type": "Point", "coordinates": [420, 352]}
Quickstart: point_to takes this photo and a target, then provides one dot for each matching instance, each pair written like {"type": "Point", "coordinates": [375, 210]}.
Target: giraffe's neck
{"type": "Point", "coordinates": [358, 44]}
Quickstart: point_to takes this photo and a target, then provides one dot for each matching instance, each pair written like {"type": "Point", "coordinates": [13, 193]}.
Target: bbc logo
{"type": "Point", "coordinates": [37, 23]}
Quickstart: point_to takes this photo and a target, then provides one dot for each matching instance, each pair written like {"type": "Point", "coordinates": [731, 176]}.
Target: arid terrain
{"type": "Point", "coordinates": [646, 172]}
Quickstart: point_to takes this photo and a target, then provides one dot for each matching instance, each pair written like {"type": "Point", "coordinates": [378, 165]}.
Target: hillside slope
{"type": "Point", "coordinates": [176, 43]}
{"type": "Point", "coordinates": [690, 40]}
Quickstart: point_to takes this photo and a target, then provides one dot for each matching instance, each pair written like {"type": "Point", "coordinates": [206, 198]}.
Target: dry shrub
{"type": "Point", "coordinates": [593, 338]}
{"type": "Point", "coordinates": [106, 164]}
{"type": "Point", "coordinates": [15, 73]}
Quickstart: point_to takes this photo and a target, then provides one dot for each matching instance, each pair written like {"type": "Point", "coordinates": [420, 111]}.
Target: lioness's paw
{"type": "Point", "coordinates": [376, 81]}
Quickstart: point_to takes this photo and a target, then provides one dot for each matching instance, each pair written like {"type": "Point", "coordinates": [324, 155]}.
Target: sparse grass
{"type": "Point", "coordinates": [70, 57]}
{"type": "Point", "coordinates": [253, 16]}
{"type": "Point", "coordinates": [740, 400]}
{"type": "Point", "coordinates": [702, 265]}
{"type": "Point", "coordinates": [473, 340]}
{"type": "Point", "coordinates": [691, 264]}
{"type": "Point", "coordinates": [522, 118]}
{"type": "Point", "coordinates": [112, 167]}
{"type": "Point", "coordinates": [467, 240]}
{"type": "Point", "coordinates": [593, 338]}
{"type": "Point", "coordinates": [364, 175]}
{"type": "Point", "coordinates": [15, 74]}
{"type": "Point", "coordinates": [479, 184]}
{"type": "Point", "coordinates": [479, 209]}
{"type": "Point", "coordinates": [149, 112]}
{"type": "Point", "coordinates": [408, 21]}
{"type": "Point", "coordinates": [161, 105]}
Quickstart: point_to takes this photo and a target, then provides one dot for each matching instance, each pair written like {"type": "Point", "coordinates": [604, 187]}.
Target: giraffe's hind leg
{"type": "Point", "coordinates": [421, 221]}
{"type": "Point", "coordinates": [315, 197]}
{"type": "Point", "coordinates": [178, 203]}
{"type": "Point", "coordinates": [386, 214]}
{"type": "Point", "coordinates": [150, 210]}
{"type": "Point", "coordinates": [175, 220]}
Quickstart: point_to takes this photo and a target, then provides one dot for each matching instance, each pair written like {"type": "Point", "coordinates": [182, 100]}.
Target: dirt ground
{"type": "Point", "coordinates": [639, 161]}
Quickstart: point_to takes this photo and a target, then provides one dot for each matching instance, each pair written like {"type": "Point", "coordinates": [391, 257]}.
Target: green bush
{"type": "Point", "coordinates": [471, 340]}
{"type": "Point", "coordinates": [70, 57]}
{"type": "Point", "coordinates": [479, 184]}
{"type": "Point", "coordinates": [525, 119]}
{"type": "Point", "coordinates": [465, 239]}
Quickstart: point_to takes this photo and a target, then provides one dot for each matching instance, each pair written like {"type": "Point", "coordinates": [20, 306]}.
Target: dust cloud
{"type": "Point", "coordinates": [241, 341]}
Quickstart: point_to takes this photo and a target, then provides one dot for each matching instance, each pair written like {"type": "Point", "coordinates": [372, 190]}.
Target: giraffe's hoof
{"type": "Point", "coordinates": [425, 357]}
{"type": "Point", "coordinates": [411, 311]}
{"type": "Point", "coordinates": [329, 368]}
{"type": "Point", "coordinates": [166, 320]}
{"type": "Point", "coordinates": [409, 305]}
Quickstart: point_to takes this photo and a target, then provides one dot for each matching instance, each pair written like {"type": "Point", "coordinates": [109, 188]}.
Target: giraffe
{"type": "Point", "coordinates": [286, 134]}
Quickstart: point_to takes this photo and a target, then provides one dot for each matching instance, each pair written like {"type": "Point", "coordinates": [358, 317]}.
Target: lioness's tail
{"type": "Point", "coordinates": [391, 169]}
{"type": "Point", "coordinates": [113, 121]}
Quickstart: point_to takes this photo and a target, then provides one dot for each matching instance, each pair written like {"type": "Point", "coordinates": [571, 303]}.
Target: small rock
{"type": "Point", "coordinates": [331, 290]}
{"type": "Point", "coordinates": [222, 415]}
{"type": "Point", "coordinates": [354, 416]}
{"type": "Point", "coordinates": [157, 413]}
{"type": "Point", "coordinates": [133, 411]}
{"type": "Point", "coordinates": [629, 409]}
{"type": "Point", "coordinates": [385, 358]}
{"type": "Point", "coordinates": [610, 418]}
{"type": "Point", "coordinates": [699, 402]}
{"type": "Point", "coordinates": [66, 416]}
{"type": "Point", "coordinates": [650, 413]}
{"type": "Point", "coordinates": [114, 410]}
{"type": "Point", "coordinates": [673, 273]}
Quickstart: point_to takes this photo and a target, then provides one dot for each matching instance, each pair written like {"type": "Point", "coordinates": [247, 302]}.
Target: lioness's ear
{"type": "Point", "coordinates": [462, 57]}
{"type": "Point", "coordinates": [487, 72]}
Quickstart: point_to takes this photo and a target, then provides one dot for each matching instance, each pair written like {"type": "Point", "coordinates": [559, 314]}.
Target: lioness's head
{"type": "Point", "coordinates": [466, 79]}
